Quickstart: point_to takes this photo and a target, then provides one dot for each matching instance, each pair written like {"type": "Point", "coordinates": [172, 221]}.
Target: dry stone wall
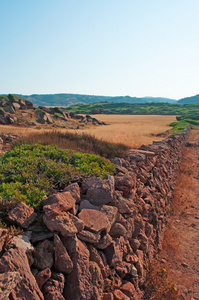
{"type": "Point", "coordinates": [97, 237]}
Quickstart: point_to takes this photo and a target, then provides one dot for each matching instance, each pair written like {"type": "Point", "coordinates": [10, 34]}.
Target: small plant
{"type": "Point", "coordinates": [12, 231]}
{"type": "Point", "coordinates": [158, 285]}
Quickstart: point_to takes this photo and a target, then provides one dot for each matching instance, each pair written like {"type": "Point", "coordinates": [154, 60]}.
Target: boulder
{"type": "Point", "coordinates": [22, 215]}
{"type": "Point", "coordinates": [78, 283]}
{"type": "Point", "coordinates": [60, 222]}
{"type": "Point", "coordinates": [27, 288]}
{"type": "Point", "coordinates": [63, 262]}
{"type": "Point", "coordinates": [94, 220]}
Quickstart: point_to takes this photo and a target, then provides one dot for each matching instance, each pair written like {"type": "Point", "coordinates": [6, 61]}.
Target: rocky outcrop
{"type": "Point", "coordinates": [16, 110]}
{"type": "Point", "coordinates": [98, 235]}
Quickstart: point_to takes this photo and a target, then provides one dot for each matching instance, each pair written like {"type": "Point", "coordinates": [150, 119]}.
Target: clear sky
{"type": "Point", "coordinates": [100, 47]}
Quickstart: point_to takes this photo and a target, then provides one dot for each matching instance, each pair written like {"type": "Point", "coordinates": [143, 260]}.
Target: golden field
{"type": "Point", "coordinates": [131, 130]}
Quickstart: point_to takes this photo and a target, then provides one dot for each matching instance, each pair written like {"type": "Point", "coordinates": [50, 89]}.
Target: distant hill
{"type": "Point", "coordinates": [189, 100]}
{"type": "Point", "coordinates": [72, 99]}
{"type": "Point", "coordinates": [65, 100]}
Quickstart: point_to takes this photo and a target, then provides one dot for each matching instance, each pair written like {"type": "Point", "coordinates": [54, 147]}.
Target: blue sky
{"type": "Point", "coordinates": [107, 47]}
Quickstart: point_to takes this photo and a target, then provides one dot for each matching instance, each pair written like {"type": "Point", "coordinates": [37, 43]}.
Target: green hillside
{"type": "Point", "coordinates": [133, 109]}
{"type": "Point", "coordinates": [190, 100]}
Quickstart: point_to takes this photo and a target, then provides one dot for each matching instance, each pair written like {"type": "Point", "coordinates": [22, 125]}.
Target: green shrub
{"type": "Point", "coordinates": [29, 172]}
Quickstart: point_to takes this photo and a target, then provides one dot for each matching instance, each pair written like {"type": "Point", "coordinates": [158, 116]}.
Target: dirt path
{"type": "Point", "coordinates": [181, 243]}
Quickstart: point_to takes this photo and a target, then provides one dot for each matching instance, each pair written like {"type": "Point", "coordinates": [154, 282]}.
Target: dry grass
{"type": "Point", "coordinates": [131, 130]}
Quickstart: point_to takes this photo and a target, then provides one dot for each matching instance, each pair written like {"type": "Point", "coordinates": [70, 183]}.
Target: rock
{"type": "Point", "coordinates": [64, 201]}
{"type": "Point", "coordinates": [16, 106]}
{"type": "Point", "coordinates": [94, 220]}
{"type": "Point", "coordinates": [53, 288]}
{"type": "Point", "coordinates": [96, 279]}
{"type": "Point", "coordinates": [42, 277]}
{"type": "Point", "coordinates": [139, 265]}
{"type": "Point", "coordinates": [86, 204]}
{"type": "Point", "coordinates": [74, 189]}
{"type": "Point", "coordinates": [79, 224]}
{"type": "Point", "coordinates": [63, 262]}
{"type": "Point", "coordinates": [185, 265]}
{"type": "Point", "coordinates": [118, 295]}
{"type": "Point", "coordinates": [8, 281]}
{"type": "Point", "coordinates": [60, 222]}
{"type": "Point", "coordinates": [129, 290]}
{"type": "Point", "coordinates": [108, 296]}
{"type": "Point", "coordinates": [125, 184]}
{"type": "Point", "coordinates": [70, 243]}
{"type": "Point", "coordinates": [22, 215]}
{"type": "Point", "coordinates": [95, 256]}
{"type": "Point", "coordinates": [43, 255]}
{"type": "Point", "coordinates": [124, 268]}
{"type": "Point", "coordinates": [100, 192]}
{"type": "Point", "coordinates": [87, 183]}
{"type": "Point", "coordinates": [111, 214]}
{"type": "Point", "coordinates": [114, 253]}
{"type": "Point", "coordinates": [88, 236]}
{"type": "Point", "coordinates": [27, 288]}
{"type": "Point", "coordinates": [3, 235]}
{"type": "Point", "coordinates": [120, 203]}
{"type": "Point", "coordinates": [41, 236]}
{"type": "Point", "coordinates": [78, 284]}
{"type": "Point", "coordinates": [104, 242]}
{"type": "Point", "coordinates": [22, 241]}
{"type": "Point", "coordinates": [118, 230]}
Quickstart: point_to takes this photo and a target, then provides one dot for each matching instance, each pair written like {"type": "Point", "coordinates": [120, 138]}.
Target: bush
{"type": "Point", "coordinates": [29, 172]}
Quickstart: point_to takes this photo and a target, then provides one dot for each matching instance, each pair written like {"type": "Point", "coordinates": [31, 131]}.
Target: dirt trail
{"type": "Point", "coordinates": [181, 243]}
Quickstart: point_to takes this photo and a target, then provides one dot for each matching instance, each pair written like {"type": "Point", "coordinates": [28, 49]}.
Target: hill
{"type": "Point", "coordinates": [189, 100]}
{"type": "Point", "coordinates": [72, 99]}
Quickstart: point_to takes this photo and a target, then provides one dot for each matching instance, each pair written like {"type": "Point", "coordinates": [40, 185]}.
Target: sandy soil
{"type": "Point", "coordinates": [181, 243]}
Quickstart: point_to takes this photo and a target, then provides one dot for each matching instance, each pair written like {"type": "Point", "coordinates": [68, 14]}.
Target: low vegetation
{"type": "Point", "coordinates": [30, 172]}
{"type": "Point", "coordinates": [135, 108]}
{"type": "Point", "coordinates": [83, 142]}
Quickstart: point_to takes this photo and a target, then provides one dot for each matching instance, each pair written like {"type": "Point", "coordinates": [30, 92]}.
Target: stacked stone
{"type": "Point", "coordinates": [96, 238]}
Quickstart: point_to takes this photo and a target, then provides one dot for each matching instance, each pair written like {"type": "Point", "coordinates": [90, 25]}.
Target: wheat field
{"type": "Point", "coordinates": [131, 130]}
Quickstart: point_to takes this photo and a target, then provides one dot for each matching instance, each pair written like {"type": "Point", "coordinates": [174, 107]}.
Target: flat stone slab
{"type": "Point", "coordinates": [94, 220]}
{"type": "Point", "coordinates": [22, 215]}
